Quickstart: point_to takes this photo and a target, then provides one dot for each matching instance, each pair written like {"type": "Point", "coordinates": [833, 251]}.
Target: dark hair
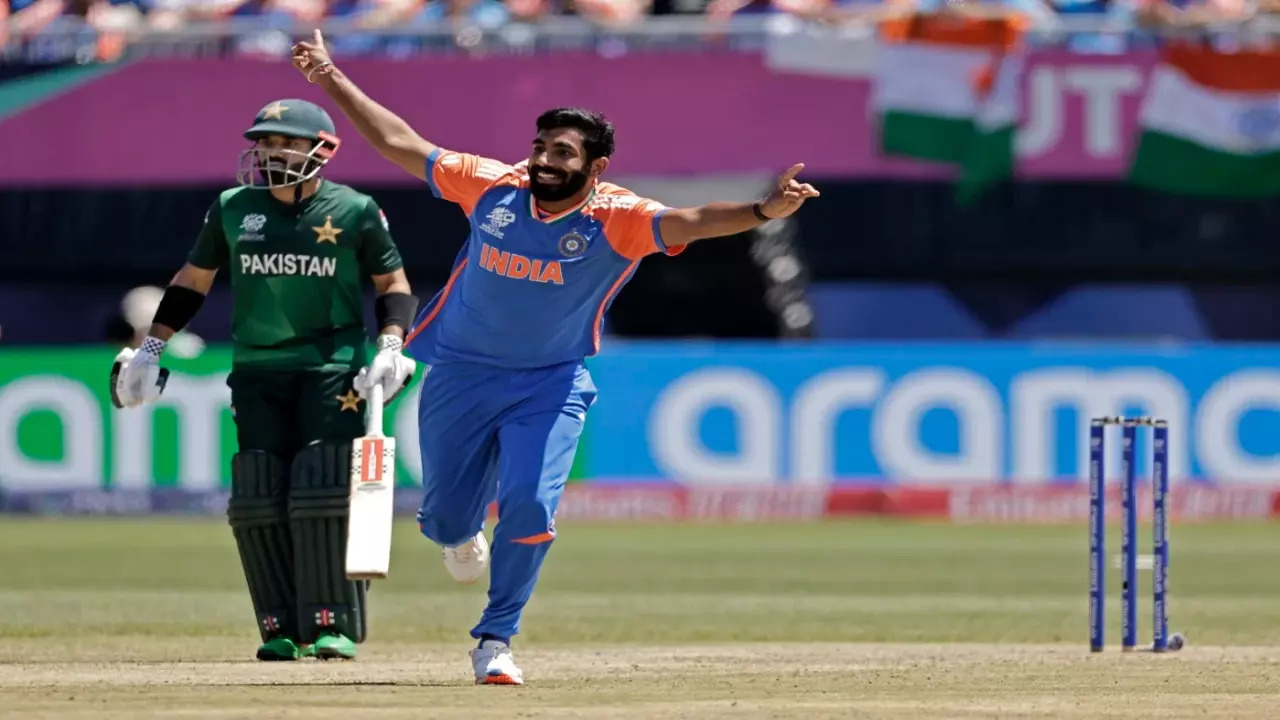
{"type": "Point", "coordinates": [597, 132]}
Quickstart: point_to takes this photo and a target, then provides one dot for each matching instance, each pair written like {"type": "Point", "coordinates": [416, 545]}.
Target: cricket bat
{"type": "Point", "coordinates": [373, 463]}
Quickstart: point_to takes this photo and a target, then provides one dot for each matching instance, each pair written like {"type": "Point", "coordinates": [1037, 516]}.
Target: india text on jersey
{"type": "Point", "coordinates": [519, 267]}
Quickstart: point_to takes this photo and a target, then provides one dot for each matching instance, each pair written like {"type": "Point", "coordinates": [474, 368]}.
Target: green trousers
{"type": "Point", "coordinates": [282, 411]}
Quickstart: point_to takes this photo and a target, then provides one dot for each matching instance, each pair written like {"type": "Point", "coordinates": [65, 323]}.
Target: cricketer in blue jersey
{"type": "Point", "coordinates": [506, 393]}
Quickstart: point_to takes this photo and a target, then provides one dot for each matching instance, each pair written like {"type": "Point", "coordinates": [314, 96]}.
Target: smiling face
{"type": "Point", "coordinates": [558, 167]}
{"type": "Point", "coordinates": [570, 152]}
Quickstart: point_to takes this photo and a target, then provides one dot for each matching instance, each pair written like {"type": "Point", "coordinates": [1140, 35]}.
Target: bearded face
{"type": "Point", "coordinates": [559, 167]}
{"type": "Point", "coordinates": [551, 184]}
{"type": "Point", "coordinates": [277, 167]}
{"type": "Point", "coordinates": [277, 161]}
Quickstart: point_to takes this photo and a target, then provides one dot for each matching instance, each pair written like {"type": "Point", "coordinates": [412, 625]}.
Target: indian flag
{"type": "Point", "coordinates": [1211, 124]}
{"type": "Point", "coordinates": [947, 89]}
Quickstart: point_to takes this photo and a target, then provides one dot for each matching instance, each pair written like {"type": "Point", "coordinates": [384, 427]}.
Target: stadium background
{"type": "Point", "coordinates": [899, 350]}
{"type": "Point", "coordinates": [889, 342]}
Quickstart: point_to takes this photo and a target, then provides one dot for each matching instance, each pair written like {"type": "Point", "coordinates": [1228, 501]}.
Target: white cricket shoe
{"type": "Point", "coordinates": [494, 665]}
{"type": "Point", "coordinates": [468, 561]}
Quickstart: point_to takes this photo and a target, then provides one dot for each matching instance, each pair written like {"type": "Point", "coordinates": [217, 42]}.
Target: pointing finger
{"type": "Point", "coordinates": [790, 174]}
{"type": "Point", "coordinates": [319, 38]}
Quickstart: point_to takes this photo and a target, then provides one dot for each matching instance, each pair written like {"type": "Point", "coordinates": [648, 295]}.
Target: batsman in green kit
{"type": "Point", "coordinates": [298, 249]}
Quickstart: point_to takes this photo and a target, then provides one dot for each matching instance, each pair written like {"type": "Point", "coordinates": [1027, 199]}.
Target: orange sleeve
{"type": "Point", "coordinates": [462, 178]}
{"type": "Point", "coordinates": [631, 226]}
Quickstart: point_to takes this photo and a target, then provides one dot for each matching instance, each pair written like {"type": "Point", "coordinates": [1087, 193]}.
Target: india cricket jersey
{"type": "Point", "coordinates": [296, 273]}
{"type": "Point", "coordinates": [529, 291]}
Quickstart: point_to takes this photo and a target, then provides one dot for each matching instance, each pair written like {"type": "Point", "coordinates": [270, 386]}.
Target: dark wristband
{"type": "Point", "coordinates": [395, 309]}
{"type": "Point", "coordinates": [177, 307]}
{"type": "Point", "coordinates": [755, 208]}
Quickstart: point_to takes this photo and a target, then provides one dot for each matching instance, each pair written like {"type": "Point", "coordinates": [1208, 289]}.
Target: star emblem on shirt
{"type": "Point", "coordinates": [350, 401]}
{"type": "Point", "coordinates": [274, 111]}
{"type": "Point", "coordinates": [327, 232]}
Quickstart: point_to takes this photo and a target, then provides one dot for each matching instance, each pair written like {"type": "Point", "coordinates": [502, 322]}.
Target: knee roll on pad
{"type": "Point", "coordinates": [319, 504]}
{"type": "Point", "coordinates": [258, 515]}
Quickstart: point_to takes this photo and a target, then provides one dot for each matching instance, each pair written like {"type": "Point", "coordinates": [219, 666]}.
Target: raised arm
{"type": "Point", "coordinates": [681, 226]}
{"type": "Point", "coordinates": [387, 132]}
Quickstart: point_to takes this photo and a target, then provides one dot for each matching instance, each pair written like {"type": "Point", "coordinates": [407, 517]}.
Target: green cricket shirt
{"type": "Point", "coordinates": [296, 273]}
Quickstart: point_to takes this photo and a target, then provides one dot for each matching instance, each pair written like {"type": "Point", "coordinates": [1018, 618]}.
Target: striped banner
{"type": "Point", "coordinates": [1210, 124]}
{"type": "Point", "coordinates": [947, 90]}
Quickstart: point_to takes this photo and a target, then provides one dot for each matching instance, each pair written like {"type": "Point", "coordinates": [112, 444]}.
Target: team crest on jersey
{"type": "Point", "coordinates": [497, 219]}
{"type": "Point", "coordinates": [573, 245]}
{"type": "Point", "coordinates": [251, 228]}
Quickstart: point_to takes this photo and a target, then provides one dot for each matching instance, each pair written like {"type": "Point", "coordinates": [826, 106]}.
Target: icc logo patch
{"type": "Point", "coordinates": [251, 226]}
{"type": "Point", "coordinates": [573, 245]}
{"type": "Point", "coordinates": [498, 218]}
{"type": "Point", "coordinates": [253, 222]}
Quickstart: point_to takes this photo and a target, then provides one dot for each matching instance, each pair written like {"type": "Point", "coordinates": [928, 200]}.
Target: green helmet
{"type": "Point", "coordinates": [262, 166]}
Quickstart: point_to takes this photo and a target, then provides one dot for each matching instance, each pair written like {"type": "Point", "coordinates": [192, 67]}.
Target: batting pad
{"type": "Point", "coordinates": [319, 504]}
{"type": "Point", "coordinates": [258, 515]}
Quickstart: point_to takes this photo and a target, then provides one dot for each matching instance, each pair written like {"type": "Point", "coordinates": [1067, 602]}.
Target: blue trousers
{"type": "Point", "coordinates": [490, 433]}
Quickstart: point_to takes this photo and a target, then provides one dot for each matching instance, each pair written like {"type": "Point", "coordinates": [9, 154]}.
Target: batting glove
{"type": "Point", "coordinates": [390, 368]}
{"type": "Point", "coordinates": [136, 376]}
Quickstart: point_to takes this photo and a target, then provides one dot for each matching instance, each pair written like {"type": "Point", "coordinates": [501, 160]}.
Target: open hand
{"type": "Point", "coordinates": [788, 194]}
{"type": "Point", "coordinates": [312, 58]}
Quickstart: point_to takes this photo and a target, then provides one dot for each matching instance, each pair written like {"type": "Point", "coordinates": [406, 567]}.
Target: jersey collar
{"type": "Point", "coordinates": [306, 202]}
{"type": "Point", "coordinates": [533, 209]}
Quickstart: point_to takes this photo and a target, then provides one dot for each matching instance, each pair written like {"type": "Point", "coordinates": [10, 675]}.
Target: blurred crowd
{"type": "Point", "coordinates": [101, 30]}
{"type": "Point", "coordinates": [25, 18]}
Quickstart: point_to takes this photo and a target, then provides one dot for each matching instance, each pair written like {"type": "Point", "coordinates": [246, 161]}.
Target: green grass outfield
{"type": "Point", "coordinates": [862, 581]}
{"type": "Point", "coordinates": [127, 619]}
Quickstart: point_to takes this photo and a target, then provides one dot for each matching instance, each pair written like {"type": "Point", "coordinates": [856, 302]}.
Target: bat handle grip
{"type": "Point", "coordinates": [373, 424]}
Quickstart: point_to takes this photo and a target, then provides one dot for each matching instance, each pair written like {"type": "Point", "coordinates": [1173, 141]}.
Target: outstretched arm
{"type": "Point", "coordinates": [387, 132]}
{"type": "Point", "coordinates": [681, 226]}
